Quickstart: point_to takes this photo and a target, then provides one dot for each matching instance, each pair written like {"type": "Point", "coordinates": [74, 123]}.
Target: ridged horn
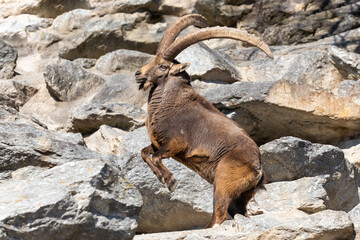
{"type": "Point", "coordinates": [213, 32]}
{"type": "Point", "coordinates": [180, 24]}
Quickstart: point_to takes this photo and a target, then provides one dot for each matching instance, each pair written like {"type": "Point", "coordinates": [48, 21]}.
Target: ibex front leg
{"type": "Point", "coordinates": [170, 181]}
{"type": "Point", "coordinates": [146, 156]}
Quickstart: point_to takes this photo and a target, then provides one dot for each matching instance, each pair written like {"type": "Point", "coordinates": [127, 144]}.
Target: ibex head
{"type": "Point", "coordinates": [163, 64]}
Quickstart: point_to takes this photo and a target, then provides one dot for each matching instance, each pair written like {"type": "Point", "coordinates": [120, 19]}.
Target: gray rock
{"type": "Point", "coordinates": [24, 145]}
{"type": "Point", "coordinates": [8, 57]}
{"type": "Point", "coordinates": [121, 88]}
{"type": "Point", "coordinates": [68, 81]}
{"type": "Point", "coordinates": [206, 64]}
{"type": "Point", "coordinates": [291, 158]}
{"type": "Point", "coordinates": [109, 30]}
{"type": "Point", "coordinates": [125, 6]}
{"type": "Point", "coordinates": [306, 194]}
{"type": "Point", "coordinates": [122, 60]}
{"type": "Point", "coordinates": [78, 200]}
{"type": "Point", "coordinates": [351, 149]}
{"type": "Point", "coordinates": [72, 20]}
{"type": "Point", "coordinates": [10, 114]}
{"type": "Point", "coordinates": [189, 206]}
{"type": "Point", "coordinates": [89, 117]}
{"type": "Point", "coordinates": [346, 62]}
{"type": "Point", "coordinates": [323, 225]}
{"type": "Point", "coordinates": [16, 93]}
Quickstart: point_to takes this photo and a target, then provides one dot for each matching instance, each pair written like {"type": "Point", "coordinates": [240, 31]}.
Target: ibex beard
{"type": "Point", "coordinates": [186, 127]}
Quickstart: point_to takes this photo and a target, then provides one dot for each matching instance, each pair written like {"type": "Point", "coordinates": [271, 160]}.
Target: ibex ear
{"type": "Point", "coordinates": [178, 68]}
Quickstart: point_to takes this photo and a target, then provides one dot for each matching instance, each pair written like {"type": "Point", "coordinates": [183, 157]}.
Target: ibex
{"type": "Point", "coordinates": [183, 125]}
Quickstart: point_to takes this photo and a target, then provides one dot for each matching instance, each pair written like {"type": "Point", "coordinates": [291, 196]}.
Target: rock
{"type": "Point", "coordinates": [68, 81]}
{"type": "Point", "coordinates": [89, 117]}
{"type": "Point", "coordinates": [307, 194]}
{"type": "Point", "coordinates": [327, 224]}
{"type": "Point", "coordinates": [101, 35]}
{"type": "Point", "coordinates": [42, 8]}
{"type": "Point", "coordinates": [106, 140]}
{"type": "Point", "coordinates": [16, 30]}
{"type": "Point", "coordinates": [287, 23]}
{"type": "Point", "coordinates": [354, 215]}
{"type": "Point", "coordinates": [125, 6]}
{"type": "Point", "coordinates": [10, 114]}
{"type": "Point", "coordinates": [188, 207]}
{"type": "Point", "coordinates": [346, 62]}
{"type": "Point", "coordinates": [17, 92]}
{"type": "Point", "coordinates": [223, 12]}
{"type": "Point", "coordinates": [177, 8]}
{"type": "Point", "coordinates": [122, 60]}
{"type": "Point", "coordinates": [24, 145]}
{"type": "Point", "coordinates": [206, 64]}
{"type": "Point", "coordinates": [8, 57]}
{"type": "Point", "coordinates": [351, 149]}
{"type": "Point", "coordinates": [306, 98]}
{"type": "Point", "coordinates": [290, 158]}
{"type": "Point", "coordinates": [78, 200]}
{"type": "Point", "coordinates": [72, 20]}
{"type": "Point", "coordinates": [121, 88]}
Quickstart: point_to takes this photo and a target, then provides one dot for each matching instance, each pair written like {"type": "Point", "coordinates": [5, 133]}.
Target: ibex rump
{"type": "Point", "coordinates": [185, 126]}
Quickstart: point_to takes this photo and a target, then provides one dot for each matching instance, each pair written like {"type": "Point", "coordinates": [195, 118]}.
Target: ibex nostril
{"type": "Point", "coordinates": [137, 73]}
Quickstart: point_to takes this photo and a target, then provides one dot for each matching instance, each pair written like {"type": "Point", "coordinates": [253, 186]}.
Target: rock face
{"type": "Point", "coordinates": [79, 200]}
{"type": "Point", "coordinates": [8, 57]}
{"type": "Point", "coordinates": [71, 118]}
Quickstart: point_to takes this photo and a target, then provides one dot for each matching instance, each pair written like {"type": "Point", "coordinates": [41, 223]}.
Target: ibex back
{"type": "Point", "coordinates": [183, 125]}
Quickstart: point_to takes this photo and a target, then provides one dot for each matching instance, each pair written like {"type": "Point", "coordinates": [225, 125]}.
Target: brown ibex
{"type": "Point", "coordinates": [183, 125]}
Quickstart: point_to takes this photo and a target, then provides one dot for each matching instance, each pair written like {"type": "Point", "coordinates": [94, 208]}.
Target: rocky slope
{"type": "Point", "coordinates": [72, 119]}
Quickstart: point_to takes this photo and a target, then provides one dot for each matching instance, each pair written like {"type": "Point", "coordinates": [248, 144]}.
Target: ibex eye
{"type": "Point", "coordinates": [163, 67]}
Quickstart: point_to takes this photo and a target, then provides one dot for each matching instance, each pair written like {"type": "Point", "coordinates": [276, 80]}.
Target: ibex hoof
{"type": "Point", "coordinates": [172, 184]}
{"type": "Point", "coordinates": [162, 179]}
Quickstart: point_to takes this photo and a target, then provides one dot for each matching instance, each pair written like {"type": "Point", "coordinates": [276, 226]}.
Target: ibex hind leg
{"type": "Point", "coordinates": [232, 178]}
{"type": "Point", "coordinates": [238, 205]}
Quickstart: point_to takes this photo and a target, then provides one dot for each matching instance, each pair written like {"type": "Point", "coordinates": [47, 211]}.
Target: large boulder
{"type": "Point", "coordinates": [325, 225]}
{"type": "Point", "coordinates": [290, 158]}
{"type": "Point", "coordinates": [8, 57]}
{"type": "Point", "coordinates": [69, 81]}
{"type": "Point", "coordinates": [24, 145]}
{"type": "Point", "coordinates": [77, 200]}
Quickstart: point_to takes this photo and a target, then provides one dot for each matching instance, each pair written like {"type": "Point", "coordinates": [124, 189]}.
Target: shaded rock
{"type": "Point", "coordinates": [125, 6]}
{"type": "Point", "coordinates": [177, 8]}
{"type": "Point", "coordinates": [122, 61]}
{"type": "Point", "coordinates": [288, 23]}
{"type": "Point", "coordinates": [189, 206]}
{"type": "Point", "coordinates": [85, 62]}
{"type": "Point", "coordinates": [224, 12]}
{"type": "Point", "coordinates": [206, 64]}
{"type": "Point", "coordinates": [24, 145]}
{"type": "Point", "coordinates": [8, 57]}
{"type": "Point", "coordinates": [121, 88]}
{"type": "Point", "coordinates": [290, 158]}
{"type": "Point", "coordinates": [305, 194]}
{"type": "Point", "coordinates": [101, 35]}
{"type": "Point", "coordinates": [89, 117]}
{"type": "Point", "coordinates": [17, 92]}
{"type": "Point", "coordinates": [346, 62]}
{"type": "Point", "coordinates": [68, 81]}
{"type": "Point", "coordinates": [351, 149]}
{"type": "Point", "coordinates": [78, 200]}
{"type": "Point", "coordinates": [42, 8]}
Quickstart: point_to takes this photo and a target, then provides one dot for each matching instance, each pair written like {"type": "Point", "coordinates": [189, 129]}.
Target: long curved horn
{"type": "Point", "coordinates": [214, 32]}
{"type": "Point", "coordinates": [180, 24]}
